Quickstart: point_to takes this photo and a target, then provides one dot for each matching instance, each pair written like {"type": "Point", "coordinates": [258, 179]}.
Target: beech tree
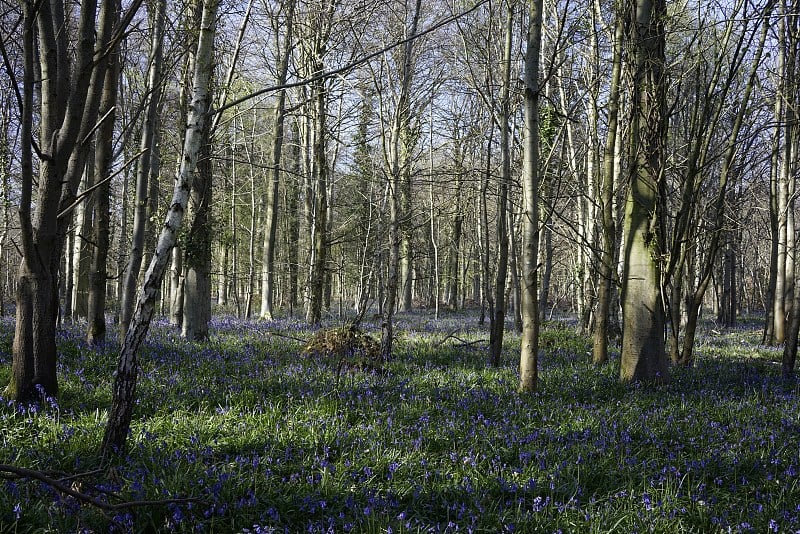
{"type": "Point", "coordinates": [529, 351]}
{"type": "Point", "coordinates": [72, 69]}
{"type": "Point", "coordinates": [643, 354]}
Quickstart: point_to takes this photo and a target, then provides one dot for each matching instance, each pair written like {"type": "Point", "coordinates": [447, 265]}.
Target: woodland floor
{"type": "Point", "coordinates": [266, 440]}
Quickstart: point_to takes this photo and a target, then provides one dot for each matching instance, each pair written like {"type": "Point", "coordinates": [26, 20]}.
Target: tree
{"type": "Point", "coordinates": [124, 387]}
{"type": "Point", "coordinates": [643, 354]}
{"type": "Point", "coordinates": [528, 364]}
{"type": "Point", "coordinates": [103, 156]}
{"type": "Point", "coordinates": [399, 161]}
{"type": "Point", "coordinates": [146, 161]}
{"type": "Point", "coordinates": [271, 231]}
{"type": "Point", "coordinates": [72, 64]}
{"type": "Point", "coordinates": [606, 263]}
{"type": "Point", "coordinates": [316, 48]}
{"type": "Point", "coordinates": [497, 311]}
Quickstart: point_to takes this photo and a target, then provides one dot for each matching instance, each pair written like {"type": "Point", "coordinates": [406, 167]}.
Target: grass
{"type": "Point", "coordinates": [268, 441]}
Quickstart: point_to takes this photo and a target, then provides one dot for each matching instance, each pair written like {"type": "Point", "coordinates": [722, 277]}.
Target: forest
{"type": "Point", "coordinates": [399, 266]}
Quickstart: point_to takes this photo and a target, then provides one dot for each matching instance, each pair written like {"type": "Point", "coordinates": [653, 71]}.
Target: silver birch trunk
{"type": "Point", "coordinates": [124, 387]}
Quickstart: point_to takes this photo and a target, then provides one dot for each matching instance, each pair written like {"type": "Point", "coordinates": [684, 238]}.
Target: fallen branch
{"type": "Point", "coordinates": [21, 472]}
{"type": "Point", "coordinates": [448, 336]}
{"type": "Point", "coordinates": [469, 343]}
{"type": "Point", "coordinates": [461, 342]}
{"type": "Point", "coordinates": [287, 336]}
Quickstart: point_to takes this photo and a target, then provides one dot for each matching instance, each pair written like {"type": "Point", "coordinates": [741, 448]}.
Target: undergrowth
{"type": "Point", "coordinates": [267, 440]}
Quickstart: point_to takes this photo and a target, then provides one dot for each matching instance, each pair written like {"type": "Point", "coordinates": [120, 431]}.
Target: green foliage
{"type": "Point", "coordinates": [266, 439]}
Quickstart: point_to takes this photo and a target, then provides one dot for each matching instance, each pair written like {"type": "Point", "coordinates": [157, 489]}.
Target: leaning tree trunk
{"type": "Point", "coordinates": [529, 349]}
{"type": "Point", "coordinates": [643, 354]}
{"type": "Point", "coordinates": [124, 388]}
{"type": "Point", "coordinates": [694, 301]}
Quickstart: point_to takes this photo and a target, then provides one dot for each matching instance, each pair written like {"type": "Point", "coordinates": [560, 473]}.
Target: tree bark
{"type": "Point", "coordinates": [528, 365]}
{"type": "Point", "coordinates": [643, 355]}
{"type": "Point", "coordinates": [131, 276]}
{"type": "Point", "coordinates": [124, 388]}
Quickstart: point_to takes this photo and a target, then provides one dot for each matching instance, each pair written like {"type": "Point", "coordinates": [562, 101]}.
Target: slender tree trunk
{"type": "Point", "coordinates": [293, 210]}
{"type": "Point", "coordinates": [320, 210]}
{"type": "Point", "coordinates": [103, 158]}
{"type": "Point", "coordinates": [484, 241]}
{"type": "Point", "coordinates": [528, 365]}
{"type": "Point", "coordinates": [271, 231]}
{"type": "Point", "coordinates": [399, 172]}
{"type": "Point", "coordinates": [781, 188]}
{"type": "Point", "coordinates": [497, 319]}
{"type": "Point", "coordinates": [694, 301]}
{"type": "Point", "coordinates": [606, 264]}
{"type": "Point", "coordinates": [149, 127]}
{"type": "Point", "coordinates": [82, 251]}
{"type": "Point", "coordinates": [124, 388]}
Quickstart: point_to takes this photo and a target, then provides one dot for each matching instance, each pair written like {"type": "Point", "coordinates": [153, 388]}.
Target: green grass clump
{"type": "Point", "coordinates": [263, 439]}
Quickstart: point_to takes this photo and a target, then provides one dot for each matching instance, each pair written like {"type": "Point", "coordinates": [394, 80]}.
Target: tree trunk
{"type": "Point", "coordinates": [103, 158]}
{"type": "Point", "coordinates": [131, 276]}
{"type": "Point", "coordinates": [176, 287]}
{"type": "Point", "coordinates": [606, 264]}
{"type": "Point", "coordinates": [124, 387]}
{"type": "Point", "coordinates": [82, 251]}
{"type": "Point", "coordinates": [643, 355]}
{"type": "Point", "coordinates": [319, 237]}
{"type": "Point", "coordinates": [271, 231]}
{"type": "Point", "coordinates": [528, 364]}
{"type": "Point", "coordinates": [197, 250]}
{"type": "Point", "coordinates": [69, 98]}
{"type": "Point", "coordinates": [293, 210]}
{"type": "Point", "coordinates": [497, 319]}
{"type": "Point", "coordinates": [399, 172]}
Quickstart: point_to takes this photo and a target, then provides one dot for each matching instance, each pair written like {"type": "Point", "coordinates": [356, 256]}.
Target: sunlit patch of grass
{"type": "Point", "coordinates": [267, 440]}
